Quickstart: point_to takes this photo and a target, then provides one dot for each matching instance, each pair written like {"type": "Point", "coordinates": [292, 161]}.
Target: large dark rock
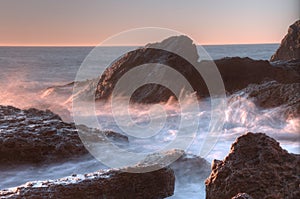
{"type": "Point", "coordinates": [181, 58]}
{"type": "Point", "coordinates": [237, 73]}
{"type": "Point", "coordinates": [290, 45]}
{"type": "Point", "coordinates": [35, 136]}
{"type": "Point", "coordinates": [256, 165]}
{"type": "Point", "coordinates": [109, 184]}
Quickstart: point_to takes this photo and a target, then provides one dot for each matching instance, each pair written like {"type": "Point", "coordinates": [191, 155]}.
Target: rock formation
{"type": "Point", "coordinates": [101, 184]}
{"type": "Point", "coordinates": [237, 73]}
{"type": "Point", "coordinates": [258, 166]}
{"type": "Point", "coordinates": [290, 45]}
{"type": "Point", "coordinates": [34, 136]}
{"type": "Point", "coordinates": [155, 54]}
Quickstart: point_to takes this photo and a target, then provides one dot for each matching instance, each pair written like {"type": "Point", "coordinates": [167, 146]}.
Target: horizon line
{"type": "Point", "coordinates": [226, 44]}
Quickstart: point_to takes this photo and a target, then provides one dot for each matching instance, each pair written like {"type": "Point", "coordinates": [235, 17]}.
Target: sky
{"type": "Point", "coordinates": [88, 23]}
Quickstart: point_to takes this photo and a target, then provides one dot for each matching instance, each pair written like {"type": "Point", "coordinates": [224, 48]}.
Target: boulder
{"type": "Point", "coordinates": [35, 136]}
{"type": "Point", "coordinates": [101, 184]}
{"type": "Point", "coordinates": [290, 45]}
{"type": "Point", "coordinates": [256, 165]}
{"type": "Point", "coordinates": [177, 52]}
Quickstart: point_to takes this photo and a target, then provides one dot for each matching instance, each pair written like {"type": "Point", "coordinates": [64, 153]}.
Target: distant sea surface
{"type": "Point", "coordinates": [60, 64]}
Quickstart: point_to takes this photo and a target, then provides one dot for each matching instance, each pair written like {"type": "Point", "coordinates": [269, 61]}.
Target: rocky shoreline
{"type": "Point", "coordinates": [256, 166]}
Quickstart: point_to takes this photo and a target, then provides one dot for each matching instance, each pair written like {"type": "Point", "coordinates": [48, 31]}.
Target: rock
{"type": "Point", "coordinates": [256, 165]}
{"type": "Point", "coordinates": [237, 73]}
{"type": "Point", "coordinates": [242, 196]}
{"type": "Point", "coordinates": [290, 45]}
{"type": "Point", "coordinates": [181, 58]}
{"type": "Point", "coordinates": [35, 136]}
{"type": "Point", "coordinates": [101, 184]}
{"type": "Point", "coordinates": [187, 167]}
{"type": "Point", "coordinates": [273, 94]}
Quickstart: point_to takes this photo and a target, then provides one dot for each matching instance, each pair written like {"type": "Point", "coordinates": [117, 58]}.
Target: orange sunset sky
{"type": "Point", "coordinates": [87, 23]}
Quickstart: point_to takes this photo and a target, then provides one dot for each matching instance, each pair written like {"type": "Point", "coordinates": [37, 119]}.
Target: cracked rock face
{"type": "Point", "coordinates": [258, 166]}
{"type": "Point", "coordinates": [101, 184]}
{"type": "Point", "coordinates": [34, 136]}
{"type": "Point", "coordinates": [290, 45]}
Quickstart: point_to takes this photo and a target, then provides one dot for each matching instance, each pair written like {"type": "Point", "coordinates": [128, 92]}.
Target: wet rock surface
{"type": "Point", "coordinates": [102, 184]}
{"type": "Point", "coordinates": [182, 164]}
{"type": "Point", "coordinates": [258, 166]}
{"type": "Point", "coordinates": [290, 45]}
{"type": "Point", "coordinates": [35, 136]}
{"type": "Point", "coordinates": [273, 94]}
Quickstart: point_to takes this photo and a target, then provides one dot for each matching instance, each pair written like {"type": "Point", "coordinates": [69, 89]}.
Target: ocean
{"type": "Point", "coordinates": [27, 73]}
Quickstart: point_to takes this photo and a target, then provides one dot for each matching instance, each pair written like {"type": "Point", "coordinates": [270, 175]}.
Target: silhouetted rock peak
{"type": "Point", "coordinates": [181, 45]}
{"type": "Point", "coordinates": [290, 45]}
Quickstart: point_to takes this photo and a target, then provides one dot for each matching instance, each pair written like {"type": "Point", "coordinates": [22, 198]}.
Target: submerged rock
{"type": "Point", "coordinates": [290, 45]}
{"type": "Point", "coordinates": [256, 165]}
{"type": "Point", "coordinates": [35, 136]}
{"type": "Point", "coordinates": [108, 184]}
{"type": "Point", "coordinates": [188, 168]}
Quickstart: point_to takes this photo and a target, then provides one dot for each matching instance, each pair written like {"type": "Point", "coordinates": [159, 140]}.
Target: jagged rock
{"type": "Point", "coordinates": [256, 165]}
{"type": "Point", "coordinates": [35, 136]}
{"type": "Point", "coordinates": [108, 184]}
{"type": "Point", "coordinates": [273, 94]}
{"type": "Point", "coordinates": [290, 45]}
